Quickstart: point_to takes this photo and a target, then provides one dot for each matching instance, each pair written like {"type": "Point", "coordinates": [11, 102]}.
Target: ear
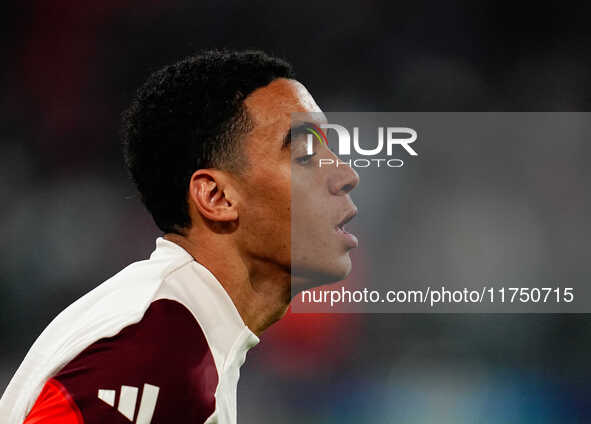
{"type": "Point", "coordinates": [209, 190]}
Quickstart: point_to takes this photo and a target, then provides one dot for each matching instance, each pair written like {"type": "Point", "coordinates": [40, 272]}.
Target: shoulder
{"type": "Point", "coordinates": [161, 365]}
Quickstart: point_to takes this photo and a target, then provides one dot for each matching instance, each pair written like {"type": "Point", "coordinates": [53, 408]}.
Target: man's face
{"type": "Point", "coordinates": [291, 209]}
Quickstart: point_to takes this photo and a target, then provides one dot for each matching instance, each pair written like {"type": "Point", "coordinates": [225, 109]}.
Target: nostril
{"type": "Point", "coordinates": [348, 187]}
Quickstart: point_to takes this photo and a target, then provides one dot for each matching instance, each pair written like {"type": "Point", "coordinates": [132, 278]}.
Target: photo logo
{"type": "Point", "coordinates": [388, 139]}
{"type": "Point", "coordinates": [316, 131]}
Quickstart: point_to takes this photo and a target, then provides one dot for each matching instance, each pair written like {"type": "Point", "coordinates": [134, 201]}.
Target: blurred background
{"type": "Point", "coordinates": [71, 218]}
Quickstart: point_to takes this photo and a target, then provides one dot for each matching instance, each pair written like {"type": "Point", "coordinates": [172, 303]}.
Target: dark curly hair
{"type": "Point", "coordinates": [188, 116]}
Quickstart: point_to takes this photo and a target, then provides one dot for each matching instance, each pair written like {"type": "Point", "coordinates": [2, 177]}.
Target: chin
{"type": "Point", "coordinates": [304, 278]}
{"type": "Point", "coordinates": [343, 268]}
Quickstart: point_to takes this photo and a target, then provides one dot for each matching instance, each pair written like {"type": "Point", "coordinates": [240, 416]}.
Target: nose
{"type": "Point", "coordinates": [343, 179]}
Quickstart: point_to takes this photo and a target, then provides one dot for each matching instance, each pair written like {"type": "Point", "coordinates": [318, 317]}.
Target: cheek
{"type": "Point", "coordinates": [266, 214]}
{"type": "Point", "coordinates": [310, 201]}
{"type": "Point", "coordinates": [310, 222]}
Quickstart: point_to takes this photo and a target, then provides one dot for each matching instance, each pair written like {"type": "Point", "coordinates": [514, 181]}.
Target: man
{"type": "Point", "coordinates": [208, 143]}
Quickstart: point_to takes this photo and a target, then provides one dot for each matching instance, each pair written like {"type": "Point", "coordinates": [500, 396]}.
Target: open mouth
{"type": "Point", "coordinates": [349, 239]}
{"type": "Point", "coordinates": [341, 225]}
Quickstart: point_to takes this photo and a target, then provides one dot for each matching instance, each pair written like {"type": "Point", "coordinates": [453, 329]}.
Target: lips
{"type": "Point", "coordinates": [347, 218]}
{"type": "Point", "coordinates": [349, 239]}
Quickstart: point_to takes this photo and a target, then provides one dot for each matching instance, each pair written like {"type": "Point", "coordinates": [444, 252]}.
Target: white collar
{"type": "Point", "coordinates": [207, 299]}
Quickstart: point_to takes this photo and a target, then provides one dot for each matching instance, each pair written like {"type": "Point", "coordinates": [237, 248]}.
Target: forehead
{"type": "Point", "coordinates": [278, 100]}
{"type": "Point", "coordinates": [271, 107]}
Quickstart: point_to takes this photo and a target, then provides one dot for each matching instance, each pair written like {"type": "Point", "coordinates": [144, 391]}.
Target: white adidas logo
{"type": "Point", "coordinates": [128, 398]}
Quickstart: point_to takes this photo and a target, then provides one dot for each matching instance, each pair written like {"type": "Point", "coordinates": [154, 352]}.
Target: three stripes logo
{"type": "Point", "coordinates": [128, 399]}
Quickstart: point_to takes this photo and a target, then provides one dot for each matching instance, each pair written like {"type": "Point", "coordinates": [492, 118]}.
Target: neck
{"type": "Point", "coordinates": [260, 290]}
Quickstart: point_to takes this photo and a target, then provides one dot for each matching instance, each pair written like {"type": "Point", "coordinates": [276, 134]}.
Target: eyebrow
{"type": "Point", "coordinates": [300, 128]}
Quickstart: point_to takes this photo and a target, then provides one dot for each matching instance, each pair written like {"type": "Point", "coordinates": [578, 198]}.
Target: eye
{"type": "Point", "coordinates": [303, 160]}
